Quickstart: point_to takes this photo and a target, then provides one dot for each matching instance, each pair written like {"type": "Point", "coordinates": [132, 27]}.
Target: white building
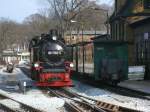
{"type": "Point", "coordinates": [14, 56]}
{"type": "Point", "coordinates": [24, 56]}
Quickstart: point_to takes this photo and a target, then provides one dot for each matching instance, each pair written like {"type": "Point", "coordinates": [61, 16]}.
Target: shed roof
{"type": "Point", "coordinates": [106, 39]}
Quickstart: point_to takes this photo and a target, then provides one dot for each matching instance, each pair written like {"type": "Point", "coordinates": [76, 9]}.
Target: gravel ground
{"type": "Point", "coordinates": [106, 96]}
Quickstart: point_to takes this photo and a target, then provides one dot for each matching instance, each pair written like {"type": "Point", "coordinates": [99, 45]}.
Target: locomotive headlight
{"type": "Point", "coordinates": [71, 65]}
{"type": "Point", "coordinates": [36, 65]}
{"type": "Point", "coordinates": [54, 38]}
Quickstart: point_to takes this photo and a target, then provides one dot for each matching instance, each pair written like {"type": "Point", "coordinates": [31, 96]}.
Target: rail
{"type": "Point", "coordinates": [22, 107]}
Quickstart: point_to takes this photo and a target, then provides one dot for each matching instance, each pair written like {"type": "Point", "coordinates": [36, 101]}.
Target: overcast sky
{"type": "Point", "coordinates": [17, 10]}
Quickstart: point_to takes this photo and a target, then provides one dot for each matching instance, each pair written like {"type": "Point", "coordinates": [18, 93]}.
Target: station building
{"type": "Point", "coordinates": [79, 36]}
{"type": "Point", "coordinates": [11, 56]}
{"type": "Point", "coordinates": [131, 22]}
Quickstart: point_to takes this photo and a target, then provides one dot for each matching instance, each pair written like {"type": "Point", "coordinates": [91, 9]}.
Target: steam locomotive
{"type": "Point", "coordinates": [49, 64]}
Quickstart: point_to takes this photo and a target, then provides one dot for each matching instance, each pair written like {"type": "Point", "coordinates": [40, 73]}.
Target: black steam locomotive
{"type": "Point", "coordinates": [48, 55]}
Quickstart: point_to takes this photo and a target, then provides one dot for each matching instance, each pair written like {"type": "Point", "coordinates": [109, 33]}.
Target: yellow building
{"type": "Point", "coordinates": [76, 37]}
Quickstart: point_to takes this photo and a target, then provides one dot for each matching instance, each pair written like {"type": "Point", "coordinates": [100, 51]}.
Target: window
{"type": "Point", "coordinates": [143, 47]}
{"type": "Point", "coordinates": [145, 36]}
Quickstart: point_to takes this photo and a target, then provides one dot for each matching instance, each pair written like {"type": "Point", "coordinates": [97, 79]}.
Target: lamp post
{"type": "Point", "coordinates": [76, 53]}
{"type": "Point", "coordinates": [83, 50]}
{"type": "Point", "coordinates": [71, 21]}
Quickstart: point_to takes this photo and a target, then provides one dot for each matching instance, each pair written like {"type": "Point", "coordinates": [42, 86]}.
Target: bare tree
{"type": "Point", "coordinates": [66, 10]}
{"type": "Point", "coordinates": [12, 34]}
{"type": "Point", "coordinates": [7, 33]}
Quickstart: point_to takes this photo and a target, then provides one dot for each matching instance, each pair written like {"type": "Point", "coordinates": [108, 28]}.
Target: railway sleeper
{"type": "Point", "coordinates": [113, 108]}
{"type": "Point", "coordinates": [107, 106]}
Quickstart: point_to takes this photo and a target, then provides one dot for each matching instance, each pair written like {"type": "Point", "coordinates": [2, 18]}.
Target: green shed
{"type": "Point", "coordinates": [110, 60]}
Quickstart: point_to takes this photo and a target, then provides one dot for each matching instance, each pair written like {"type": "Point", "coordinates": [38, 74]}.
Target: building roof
{"type": "Point", "coordinates": [9, 53]}
{"type": "Point", "coordinates": [139, 23]}
{"type": "Point", "coordinates": [127, 11]}
{"type": "Point", "coordinates": [101, 37]}
{"type": "Point", "coordinates": [14, 53]}
{"type": "Point", "coordinates": [86, 32]}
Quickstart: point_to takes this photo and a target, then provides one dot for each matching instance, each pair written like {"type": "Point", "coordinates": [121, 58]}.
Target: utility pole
{"type": "Point", "coordinates": [82, 49]}
{"type": "Point", "coordinates": [107, 16]}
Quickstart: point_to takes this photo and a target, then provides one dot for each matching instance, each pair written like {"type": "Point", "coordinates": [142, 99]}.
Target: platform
{"type": "Point", "coordinates": [141, 85]}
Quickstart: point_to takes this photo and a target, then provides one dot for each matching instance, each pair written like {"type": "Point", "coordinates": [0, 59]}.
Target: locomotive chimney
{"type": "Point", "coordinates": [53, 32]}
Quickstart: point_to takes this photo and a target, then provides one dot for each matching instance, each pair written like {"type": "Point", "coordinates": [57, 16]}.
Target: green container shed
{"type": "Point", "coordinates": [110, 56]}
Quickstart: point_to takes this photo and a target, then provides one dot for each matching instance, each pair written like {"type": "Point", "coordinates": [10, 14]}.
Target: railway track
{"type": "Point", "coordinates": [8, 104]}
{"type": "Point", "coordinates": [79, 103]}
{"type": "Point", "coordinates": [75, 104]}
